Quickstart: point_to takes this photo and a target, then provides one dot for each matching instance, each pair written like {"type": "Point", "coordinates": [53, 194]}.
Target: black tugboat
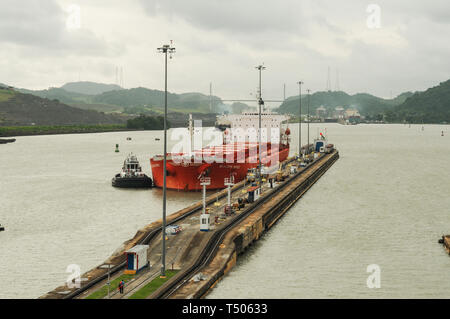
{"type": "Point", "coordinates": [7, 140]}
{"type": "Point", "coordinates": [131, 175]}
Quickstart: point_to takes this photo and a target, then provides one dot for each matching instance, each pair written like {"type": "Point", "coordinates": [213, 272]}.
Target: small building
{"type": "Point", "coordinates": [319, 144]}
{"type": "Point", "coordinates": [339, 112]}
{"type": "Point", "coordinates": [321, 111]}
{"type": "Point", "coordinates": [137, 259]}
{"type": "Point", "coordinates": [253, 193]}
{"type": "Point", "coordinates": [352, 116]}
{"type": "Point", "coordinates": [351, 113]}
{"type": "Point", "coordinates": [204, 222]}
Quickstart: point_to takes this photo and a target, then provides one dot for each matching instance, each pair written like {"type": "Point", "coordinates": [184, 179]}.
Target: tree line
{"type": "Point", "coordinates": [144, 122]}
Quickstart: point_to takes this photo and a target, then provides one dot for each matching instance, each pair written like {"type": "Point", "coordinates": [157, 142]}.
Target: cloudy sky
{"type": "Point", "coordinates": [380, 47]}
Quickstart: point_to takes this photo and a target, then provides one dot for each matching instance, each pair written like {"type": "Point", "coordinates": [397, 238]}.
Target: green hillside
{"type": "Point", "coordinates": [367, 104]}
{"type": "Point", "coordinates": [5, 94]}
{"type": "Point", "coordinates": [19, 109]}
{"type": "Point", "coordinates": [89, 88]}
{"type": "Point", "coordinates": [130, 101]}
{"type": "Point", "coordinates": [60, 95]}
{"type": "Point", "coordinates": [430, 106]}
{"type": "Point", "coordinates": [138, 100]}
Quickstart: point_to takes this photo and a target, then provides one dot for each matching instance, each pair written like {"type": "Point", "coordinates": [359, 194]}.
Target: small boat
{"type": "Point", "coordinates": [7, 140]}
{"type": "Point", "coordinates": [157, 139]}
{"type": "Point", "coordinates": [128, 138]}
{"type": "Point", "coordinates": [2, 228]}
{"type": "Point", "coordinates": [445, 240]}
{"type": "Point", "coordinates": [131, 175]}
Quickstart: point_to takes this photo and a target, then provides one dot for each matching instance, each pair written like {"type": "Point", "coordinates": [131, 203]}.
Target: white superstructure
{"type": "Point", "coordinates": [245, 127]}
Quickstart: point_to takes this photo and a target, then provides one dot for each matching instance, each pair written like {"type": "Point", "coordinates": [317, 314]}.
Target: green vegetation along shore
{"type": "Point", "coordinates": [6, 131]}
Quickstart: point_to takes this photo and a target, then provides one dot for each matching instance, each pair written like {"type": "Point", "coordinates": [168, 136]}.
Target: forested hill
{"type": "Point", "coordinates": [131, 101]}
{"type": "Point", "coordinates": [367, 104]}
{"type": "Point", "coordinates": [18, 109]}
{"type": "Point", "coordinates": [89, 88]}
{"type": "Point", "coordinates": [154, 99]}
{"type": "Point", "coordinates": [430, 106]}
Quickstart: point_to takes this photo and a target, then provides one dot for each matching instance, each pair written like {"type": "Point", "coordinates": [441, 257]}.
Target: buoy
{"type": "Point", "coordinates": [117, 148]}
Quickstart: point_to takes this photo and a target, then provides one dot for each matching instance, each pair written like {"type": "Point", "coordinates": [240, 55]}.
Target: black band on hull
{"type": "Point", "coordinates": [132, 182]}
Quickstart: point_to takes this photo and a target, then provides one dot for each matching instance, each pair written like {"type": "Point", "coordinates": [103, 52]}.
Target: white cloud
{"type": "Point", "coordinates": [222, 41]}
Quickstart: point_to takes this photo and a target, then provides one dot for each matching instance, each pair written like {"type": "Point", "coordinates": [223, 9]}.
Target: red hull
{"type": "Point", "coordinates": [185, 176]}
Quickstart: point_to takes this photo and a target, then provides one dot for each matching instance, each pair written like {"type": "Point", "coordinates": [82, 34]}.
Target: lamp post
{"type": "Point", "coordinates": [107, 266]}
{"type": "Point", "coordinates": [308, 118]}
{"type": "Point", "coordinates": [300, 118]}
{"type": "Point", "coordinates": [260, 103]}
{"type": "Point", "coordinates": [167, 48]}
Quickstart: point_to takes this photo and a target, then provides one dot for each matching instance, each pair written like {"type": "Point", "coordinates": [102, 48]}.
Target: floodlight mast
{"type": "Point", "coordinates": [260, 103]}
{"type": "Point", "coordinates": [300, 118]}
{"type": "Point", "coordinates": [166, 49]}
{"type": "Point", "coordinates": [309, 119]}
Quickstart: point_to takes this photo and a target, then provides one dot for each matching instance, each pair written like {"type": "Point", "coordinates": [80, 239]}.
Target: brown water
{"type": "Point", "coordinates": [384, 202]}
{"type": "Point", "coordinates": [59, 208]}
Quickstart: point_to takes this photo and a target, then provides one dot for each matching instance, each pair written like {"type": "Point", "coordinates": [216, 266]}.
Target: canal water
{"type": "Point", "coordinates": [384, 202]}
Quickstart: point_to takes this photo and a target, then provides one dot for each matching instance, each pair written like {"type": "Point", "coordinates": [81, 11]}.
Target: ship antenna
{"type": "Point", "coordinates": [191, 133]}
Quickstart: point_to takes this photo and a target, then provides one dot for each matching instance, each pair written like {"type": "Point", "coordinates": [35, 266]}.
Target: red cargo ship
{"type": "Point", "coordinates": [233, 158]}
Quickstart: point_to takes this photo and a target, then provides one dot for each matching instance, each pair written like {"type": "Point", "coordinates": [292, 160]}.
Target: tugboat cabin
{"type": "Point", "coordinates": [131, 164]}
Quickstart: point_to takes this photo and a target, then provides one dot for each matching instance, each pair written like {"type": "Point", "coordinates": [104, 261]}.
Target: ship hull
{"type": "Point", "coordinates": [186, 176]}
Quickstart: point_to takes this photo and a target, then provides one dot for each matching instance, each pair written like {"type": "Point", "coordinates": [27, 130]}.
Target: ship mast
{"type": "Point", "coordinates": [191, 134]}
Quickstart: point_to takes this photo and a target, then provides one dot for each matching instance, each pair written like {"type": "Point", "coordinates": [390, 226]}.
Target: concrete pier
{"type": "Point", "coordinates": [229, 236]}
{"type": "Point", "coordinates": [251, 228]}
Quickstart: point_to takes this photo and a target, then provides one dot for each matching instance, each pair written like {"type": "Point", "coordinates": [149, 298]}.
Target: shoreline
{"type": "Point", "coordinates": [14, 131]}
{"type": "Point", "coordinates": [9, 131]}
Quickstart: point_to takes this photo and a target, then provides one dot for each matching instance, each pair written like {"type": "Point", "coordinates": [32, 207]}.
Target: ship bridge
{"type": "Point", "coordinates": [245, 126]}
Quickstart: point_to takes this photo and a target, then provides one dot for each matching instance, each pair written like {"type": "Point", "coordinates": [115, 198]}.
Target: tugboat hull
{"type": "Point", "coordinates": [132, 182]}
{"type": "Point", "coordinates": [7, 140]}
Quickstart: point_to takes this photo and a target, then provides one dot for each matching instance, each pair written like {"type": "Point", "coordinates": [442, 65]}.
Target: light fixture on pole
{"type": "Point", "coordinates": [309, 93]}
{"type": "Point", "coordinates": [300, 118]}
{"type": "Point", "coordinates": [260, 103]}
{"type": "Point", "coordinates": [108, 283]}
{"type": "Point", "coordinates": [166, 49]}
{"type": "Point", "coordinates": [205, 217]}
{"type": "Point", "coordinates": [229, 182]}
